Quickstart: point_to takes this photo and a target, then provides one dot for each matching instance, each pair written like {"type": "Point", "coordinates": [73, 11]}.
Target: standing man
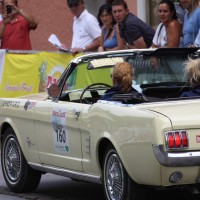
{"type": "Point", "coordinates": [191, 24]}
{"type": "Point", "coordinates": [180, 11]}
{"type": "Point", "coordinates": [136, 33]}
{"type": "Point", "coordinates": [1, 9]}
{"type": "Point", "coordinates": [15, 27]}
{"type": "Point", "coordinates": [1, 17]}
{"type": "Point", "coordinates": [86, 30]}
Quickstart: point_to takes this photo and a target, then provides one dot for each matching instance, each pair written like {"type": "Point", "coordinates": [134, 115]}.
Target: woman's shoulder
{"type": "Point", "coordinates": [174, 24]}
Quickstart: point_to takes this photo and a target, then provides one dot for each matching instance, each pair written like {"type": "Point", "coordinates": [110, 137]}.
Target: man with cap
{"type": "Point", "coordinates": [86, 30]}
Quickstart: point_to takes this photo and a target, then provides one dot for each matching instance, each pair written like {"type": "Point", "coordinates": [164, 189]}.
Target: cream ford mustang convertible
{"type": "Point", "coordinates": [130, 144]}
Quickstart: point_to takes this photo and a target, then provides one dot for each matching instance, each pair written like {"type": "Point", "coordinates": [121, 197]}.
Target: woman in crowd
{"type": "Point", "coordinates": [192, 72]}
{"type": "Point", "coordinates": [110, 36]}
{"type": "Point", "coordinates": [169, 31]}
{"type": "Point", "coordinates": [122, 76]}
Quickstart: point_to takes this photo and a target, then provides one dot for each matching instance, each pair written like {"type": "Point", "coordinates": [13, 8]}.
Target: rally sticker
{"type": "Point", "coordinates": [13, 104]}
{"type": "Point", "coordinates": [29, 105]}
{"type": "Point", "coordinates": [198, 138]}
{"type": "Point", "coordinates": [61, 140]}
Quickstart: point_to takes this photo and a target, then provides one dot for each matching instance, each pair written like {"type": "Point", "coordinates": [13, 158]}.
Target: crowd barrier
{"type": "Point", "coordinates": [23, 73]}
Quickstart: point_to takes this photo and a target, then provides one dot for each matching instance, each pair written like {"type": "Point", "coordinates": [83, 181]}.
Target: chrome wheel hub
{"type": "Point", "coordinates": [114, 177]}
{"type": "Point", "coordinates": [12, 160]}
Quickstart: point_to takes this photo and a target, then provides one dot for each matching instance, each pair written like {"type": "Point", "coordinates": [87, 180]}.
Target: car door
{"type": "Point", "coordinates": [57, 133]}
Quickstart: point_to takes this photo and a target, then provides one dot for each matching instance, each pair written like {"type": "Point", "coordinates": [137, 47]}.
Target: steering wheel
{"type": "Point", "coordinates": [93, 86]}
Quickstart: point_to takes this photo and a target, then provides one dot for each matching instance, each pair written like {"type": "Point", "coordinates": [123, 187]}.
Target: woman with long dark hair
{"type": "Point", "coordinates": [169, 31]}
{"type": "Point", "coordinates": [110, 36]}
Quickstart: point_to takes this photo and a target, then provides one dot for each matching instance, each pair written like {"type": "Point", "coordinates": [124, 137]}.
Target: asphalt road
{"type": "Point", "coordinates": [61, 188]}
{"type": "Point", "coordinates": [57, 188]}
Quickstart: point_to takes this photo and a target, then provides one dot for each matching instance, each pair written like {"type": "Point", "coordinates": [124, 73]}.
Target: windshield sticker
{"type": "Point", "coordinates": [60, 134]}
{"type": "Point", "coordinates": [13, 104]}
{"type": "Point", "coordinates": [29, 105]}
{"type": "Point", "coordinates": [106, 62]}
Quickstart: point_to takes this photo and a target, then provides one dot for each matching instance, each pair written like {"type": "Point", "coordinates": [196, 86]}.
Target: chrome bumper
{"type": "Point", "coordinates": [176, 159]}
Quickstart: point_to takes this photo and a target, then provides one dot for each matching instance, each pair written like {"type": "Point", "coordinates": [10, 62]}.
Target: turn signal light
{"type": "Point", "coordinates": [176, 139]}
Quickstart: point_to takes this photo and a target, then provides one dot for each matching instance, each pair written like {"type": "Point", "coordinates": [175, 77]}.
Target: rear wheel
{"type": "Point", "coordinates": [117, 183]}
{"type": "Point", "coordinates": [17, 173]}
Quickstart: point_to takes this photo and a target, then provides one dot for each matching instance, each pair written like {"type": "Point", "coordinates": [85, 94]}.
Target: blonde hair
{"type": "Point", "coordinates": [123, 76]}
{"type": "Point", "coordinates": [192, 71]}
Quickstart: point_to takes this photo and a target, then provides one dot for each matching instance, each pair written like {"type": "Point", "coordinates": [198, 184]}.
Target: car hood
{"type": "Point", "coordinates": [182, 114]}
{"type": "Point", "coordinates": [39, 96]}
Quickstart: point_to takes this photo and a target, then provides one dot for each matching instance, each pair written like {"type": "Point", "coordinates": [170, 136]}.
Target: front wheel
{"type": "Point", "coordinates": [18, 175]}
{"type": "Point", "coordinates": [117, 183]}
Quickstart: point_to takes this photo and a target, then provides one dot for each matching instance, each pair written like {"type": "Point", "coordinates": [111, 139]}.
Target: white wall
{"type": "Point", "coordinates": [94, 5]}
{"type": "Point", "coordinates": [143, 10]}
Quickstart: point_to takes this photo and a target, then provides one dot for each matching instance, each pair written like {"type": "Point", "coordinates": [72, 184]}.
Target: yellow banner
{"type": "Point", "coordinates": [31, 73]}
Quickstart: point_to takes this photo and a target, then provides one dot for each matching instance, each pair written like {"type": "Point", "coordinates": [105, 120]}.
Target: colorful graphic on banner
{"type": "Point", "coordinates": [25, 74]}
{"type": "Point", "coordinates": [52, 68]}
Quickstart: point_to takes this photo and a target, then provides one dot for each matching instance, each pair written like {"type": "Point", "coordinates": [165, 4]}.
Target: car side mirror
{"type": "Point", "coordinates": [53, 91]}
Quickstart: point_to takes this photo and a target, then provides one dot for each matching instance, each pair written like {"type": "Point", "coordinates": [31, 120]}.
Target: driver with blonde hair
{"type": "Point", "coordinates": [123, 74]}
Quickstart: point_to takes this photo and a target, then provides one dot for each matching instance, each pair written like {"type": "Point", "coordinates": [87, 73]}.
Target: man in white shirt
{"type": "Point", "coordinates": [86, 30]}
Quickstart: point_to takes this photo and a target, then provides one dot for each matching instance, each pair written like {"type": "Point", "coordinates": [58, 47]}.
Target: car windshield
{"type": "Point", "coordinates": [151, 69]}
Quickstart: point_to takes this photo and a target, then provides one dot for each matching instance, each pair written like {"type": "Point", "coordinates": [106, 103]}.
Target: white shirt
{"type": "Point", "coordinates": [160, 37]}
{"type": "Point", "coordinates": [85, 29]}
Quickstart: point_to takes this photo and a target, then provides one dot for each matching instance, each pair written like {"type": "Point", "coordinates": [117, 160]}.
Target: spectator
{"type": "Point", "coordinates": [192, 72]}
{"type": "Point", "coordinates": [168, 32]}
{"type": "Point", "coordinates": [180, 11]}
{"type": "Point", "coordinates": [86, 30]}
{"type": "Point", "coordinates": [1, 12]}
{"type": "Point", "coordinates": [197, 40]}
{"type": "Point", "coordinates": [136, 33]}
{"type": "Point", "coordinates": [1, 9]}
{"type": "Point", "coordinates": [15, 27]}
{"type": "Point", "coordinates": [110, 36]}
{"type": "Point", "coordinates": [122, 81]}
{"type": "Point", "coordinates": [191, 23]}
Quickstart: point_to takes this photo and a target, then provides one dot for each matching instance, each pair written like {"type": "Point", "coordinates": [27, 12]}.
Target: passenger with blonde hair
{"type": "Point", "coordinates": [123, 74]}
{"type": "Point", "coordinates": [192, 71]}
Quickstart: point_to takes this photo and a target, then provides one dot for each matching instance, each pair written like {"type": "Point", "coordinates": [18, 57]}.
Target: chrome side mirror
{"type": "Point", "coordinates": [53, 91]}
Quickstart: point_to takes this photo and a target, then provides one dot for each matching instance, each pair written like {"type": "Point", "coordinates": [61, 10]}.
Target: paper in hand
{"type": "Point", "coordinates": [56, 42]}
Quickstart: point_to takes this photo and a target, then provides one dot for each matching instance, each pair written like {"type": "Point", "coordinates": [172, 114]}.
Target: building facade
{"type": "Point", "coordinates": [55, 17]}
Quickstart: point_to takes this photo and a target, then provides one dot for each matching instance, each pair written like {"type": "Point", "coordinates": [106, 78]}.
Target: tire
{"type": "Point", "coordinates": [117, 183]}
{"type": "Point", "coordinates": [18, 175]}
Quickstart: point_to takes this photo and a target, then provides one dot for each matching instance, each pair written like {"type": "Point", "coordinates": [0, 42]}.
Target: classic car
{"type": "Point", "coordinates": [130, 144]}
